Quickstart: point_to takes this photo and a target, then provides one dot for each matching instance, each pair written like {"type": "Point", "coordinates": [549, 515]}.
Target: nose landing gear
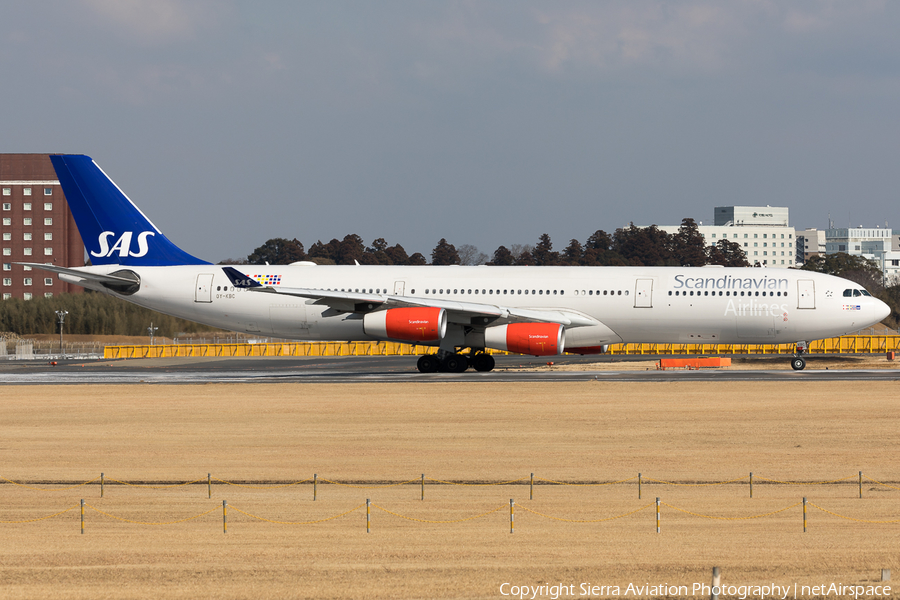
{"type": "Point", "coordinates": [798, 363]}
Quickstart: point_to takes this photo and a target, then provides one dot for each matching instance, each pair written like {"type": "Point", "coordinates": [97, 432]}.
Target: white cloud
{"type": "Point", "coordinates": [153, 21]}
{"type": "Point", "coordinates": [614, 36]}
{"type": "Point", "coordinates": [802, 18]}
{"type": "Point", "coordinates": [700, 36]}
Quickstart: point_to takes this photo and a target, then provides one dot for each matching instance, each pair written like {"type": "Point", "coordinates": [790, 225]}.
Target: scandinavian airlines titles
{"type": "Point", "coordinates": [730, 283]}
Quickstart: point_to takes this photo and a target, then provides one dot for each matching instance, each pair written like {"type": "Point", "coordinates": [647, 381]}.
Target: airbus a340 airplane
{"type": "Point", "coordinates": [530, 310]}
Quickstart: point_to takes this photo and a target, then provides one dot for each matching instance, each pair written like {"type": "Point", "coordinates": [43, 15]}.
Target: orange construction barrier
{"type": "Point", "coordinates": [694, 363]}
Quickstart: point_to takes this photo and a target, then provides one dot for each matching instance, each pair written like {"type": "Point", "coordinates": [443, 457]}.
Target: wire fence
{"type": "Point", "coordinates": [634, 483]}
{"type": "Point", "coordinates": [659, 505]}
{"type": "Point", "coordinates": [634, 486]}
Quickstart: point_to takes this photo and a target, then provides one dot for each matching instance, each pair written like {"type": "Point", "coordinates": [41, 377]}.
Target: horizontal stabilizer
{"type": "Point", "coordinates": [124, 281]}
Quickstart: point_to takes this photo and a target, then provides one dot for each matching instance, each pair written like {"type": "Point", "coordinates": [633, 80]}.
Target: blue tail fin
{"type": "Point", "coordinates": [114, 230]}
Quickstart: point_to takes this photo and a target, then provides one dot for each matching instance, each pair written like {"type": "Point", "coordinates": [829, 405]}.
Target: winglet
{"type": "Point", "coordinates": [239, 280]}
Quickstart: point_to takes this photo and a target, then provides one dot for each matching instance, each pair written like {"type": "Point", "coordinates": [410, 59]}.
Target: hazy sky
{"type": "Point", "coordinates": [486, 123]}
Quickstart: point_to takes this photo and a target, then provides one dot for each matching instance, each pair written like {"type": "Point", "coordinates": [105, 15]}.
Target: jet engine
{"type": "Point", "coordinates": [426, 324]}
{"type": "Point", "coordinates": [537, 339]}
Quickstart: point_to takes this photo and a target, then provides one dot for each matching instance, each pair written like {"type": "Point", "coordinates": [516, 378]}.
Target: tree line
{"type": "Point", "coordinates": [90, 313]}
{"type": "Point", "coordinates": [634, 246]}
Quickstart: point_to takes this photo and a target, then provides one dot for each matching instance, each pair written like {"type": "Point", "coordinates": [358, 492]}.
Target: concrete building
{"type": "Point", "coordinates": [859, 241]}
{"type": "Point", "coordinates": [890, 267]}
{"type": "Point", "coordinates": [877, 244]}
{"type": "Point", "coordinates": [771, 216]}
{"type": "Point", "coordinates": [810, 242]}
{"type": "Point", "coordinates": [37, 226]}
{"type": "Point", "coordinates": [763, 233]}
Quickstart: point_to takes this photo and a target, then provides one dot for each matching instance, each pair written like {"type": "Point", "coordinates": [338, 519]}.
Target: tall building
{"type": "Point", "coordinates": [740, 216]}
{"type": "Point", "coordinates": [37, 227]}
{"type": "Point", "coordinates": [762, 232]}
{"type": "Point", "coordinates": [810, 242]}
{"type": "Point", "coordinates": [874, 243]}
{"type": "Point", "coordinates": [858, 241]}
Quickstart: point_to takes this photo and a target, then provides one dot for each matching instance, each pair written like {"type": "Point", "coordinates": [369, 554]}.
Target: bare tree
{"type": "Point", "coordinates": [470, 255]}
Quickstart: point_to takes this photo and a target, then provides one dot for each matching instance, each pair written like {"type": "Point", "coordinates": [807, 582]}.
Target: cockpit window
{"type": "Point", "coordinates": [848, 293]}
{"type": "Point", "coordinates": [865, 293]}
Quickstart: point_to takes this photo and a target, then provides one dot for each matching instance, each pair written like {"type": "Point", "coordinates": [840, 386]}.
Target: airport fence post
{"type": "Point", "coordinates": [315, 485]}
{"type": "Point", "coordinates": [531, 490]}
{"type": "Point", "coordinates": [82, 516]}
{"type": "Point", "coordinates": [368, 514]}
{"type": "Point", "coordinates": [716, 581]}
{"type": "Point", "coordinates": [101, 485]}
{"type": "Point", "coordinates": [804, 514]}
{"type": "Point", "coordinates": [657, 515]}
{"type": "Point", "coordinates": [423, 486]}
{"type": "Point", "coordinates": [751, 486]}
{"type": "Point", "coordinates": [860, 484]}
{"type": "Point", "coordinates": [639, 486]}
{"type": "Point", "coordinates": [209, 484]}
{"type": "Point", "coordinates": [224, 516]}
{"type": "Point", "coordinates": [512, 515]}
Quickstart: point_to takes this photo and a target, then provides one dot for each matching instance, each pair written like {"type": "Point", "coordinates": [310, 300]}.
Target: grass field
{"type": "Point", "coordinates": [378, 434]}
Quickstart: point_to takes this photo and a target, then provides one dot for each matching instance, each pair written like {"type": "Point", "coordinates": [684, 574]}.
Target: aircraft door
{"type": "Point", "coordinates": [203, 289]}
{"type": "Point", "coordinates": [806, 293]}
{"type": "Point", "coordinates": [399, 287]}
{"type": "Point", "coordinates": [643, 293]}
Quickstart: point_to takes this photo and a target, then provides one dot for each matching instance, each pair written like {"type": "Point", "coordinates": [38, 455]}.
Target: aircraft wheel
{"type": "Point", "coordinates": [483, 362]}
{"type": "Point", "coordinates": [455, 363]}
{"type": "Point", "coordinates": [427, 364]}
{"type": "Point", "coordinates": [797, 363]}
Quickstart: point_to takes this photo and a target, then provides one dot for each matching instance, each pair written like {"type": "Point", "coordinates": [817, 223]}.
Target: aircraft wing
{"type": "Point", "coordinates": [465, 313]}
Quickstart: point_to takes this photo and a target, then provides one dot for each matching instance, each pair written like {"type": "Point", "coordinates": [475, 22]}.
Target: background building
{"type": "Point", "coordinates": [763, 233]}
{"type": "Point", "coordinates": [769, 216]}
{"type": "Point", "coordinates": [860, 241]}
{"type": "Point", "coordinates": [37, 226]}
{"type": "Point", "coordinates": [877, 244]}
{"type": "Point", "coordinates": [810, 242]}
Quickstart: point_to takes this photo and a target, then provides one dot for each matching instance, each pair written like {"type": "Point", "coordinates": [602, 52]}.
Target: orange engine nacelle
{"type": "Point", "coordinates": [425, 324]}
{"type": "Point", "coordinates": [537, 339]}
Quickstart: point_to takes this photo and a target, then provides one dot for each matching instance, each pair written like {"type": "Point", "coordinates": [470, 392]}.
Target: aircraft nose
{"type": "Point", "coordinates": [882, 310]}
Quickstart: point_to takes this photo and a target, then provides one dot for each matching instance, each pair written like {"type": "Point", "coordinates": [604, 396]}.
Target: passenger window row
{"type": "Point", "coordinates": [727, 293]}
{"type": "Point", "coordinates": [457, 291]}
{"type": "Point", "coordinates": [605, 292]}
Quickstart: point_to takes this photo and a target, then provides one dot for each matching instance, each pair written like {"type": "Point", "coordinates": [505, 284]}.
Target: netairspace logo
{"type": "Point", "coordinates": [699, 590]}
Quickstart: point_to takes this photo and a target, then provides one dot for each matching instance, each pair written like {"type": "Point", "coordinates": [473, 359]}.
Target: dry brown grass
{"type": "Point", "coordinates": [572, 431]}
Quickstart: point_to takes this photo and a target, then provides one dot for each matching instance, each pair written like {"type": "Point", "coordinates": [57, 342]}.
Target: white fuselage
{"type": "Point", "coordinates": [630, 304]}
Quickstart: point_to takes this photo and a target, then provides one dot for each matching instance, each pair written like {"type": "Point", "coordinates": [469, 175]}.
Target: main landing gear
{"type": "Point", "coordinates": [798, 363]}
{"type": "Point", "coordinates": [454, 362]}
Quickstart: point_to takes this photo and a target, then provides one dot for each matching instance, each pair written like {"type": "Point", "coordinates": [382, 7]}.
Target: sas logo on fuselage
{"type": "Point", "coordinates": [267, 279]}
{"type": "Point", "coordinates": [123, 244]}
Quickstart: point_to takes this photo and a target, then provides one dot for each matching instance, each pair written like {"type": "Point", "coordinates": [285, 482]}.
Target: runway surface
{"type": "Point", "coordinates": [394, 369]}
